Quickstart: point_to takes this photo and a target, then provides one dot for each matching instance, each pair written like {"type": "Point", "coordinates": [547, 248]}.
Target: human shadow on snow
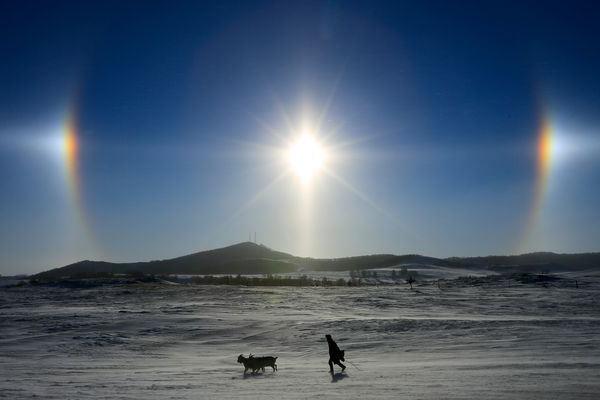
{"type": "Point", "coordinates": [338, 376]}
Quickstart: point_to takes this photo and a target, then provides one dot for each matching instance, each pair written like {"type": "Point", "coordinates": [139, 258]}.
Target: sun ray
{"type": "Point", "coordinates": [373, 205]}
{"type": "Point", "coordinates": [257, 148]}
{"type": "Point", "coordinates": [354, 141]}
{"type": "Point", "coordinates": [331, 133]}
{"type": "Point", "coordinates": [284, 114]}
{"type": "Point", "coordinates": [272, 131]}
{"type": "Point", "coordinates": [255, 198]}
{"type": "Point", "coordinates": [328, 103]}
{"type": "Point", "coordinates": [358, 193]}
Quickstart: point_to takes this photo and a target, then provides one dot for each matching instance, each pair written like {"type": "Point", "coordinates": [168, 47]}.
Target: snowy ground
{"type": "Point", "coordinates": [182, 342]}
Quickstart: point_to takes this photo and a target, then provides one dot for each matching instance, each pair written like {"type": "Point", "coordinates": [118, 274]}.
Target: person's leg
{"type": "Point", "coordinates": [330, 366]}
{"type": "Point", "coordinates": [341, 365]}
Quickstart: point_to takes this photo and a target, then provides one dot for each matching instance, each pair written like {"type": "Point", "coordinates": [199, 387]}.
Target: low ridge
{"type": "Point", "coordinates": [252, 258]}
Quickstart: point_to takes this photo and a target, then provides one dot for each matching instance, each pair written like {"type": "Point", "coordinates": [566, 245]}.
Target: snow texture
{"type": "Point", "coordinates": [495, 341]}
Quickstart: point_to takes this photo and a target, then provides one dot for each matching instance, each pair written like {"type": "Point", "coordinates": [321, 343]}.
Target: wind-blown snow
{"type": "Point", "coordinates": [182, 342]}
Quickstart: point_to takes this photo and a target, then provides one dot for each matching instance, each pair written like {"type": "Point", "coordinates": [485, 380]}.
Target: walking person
{"type": "Point", "coordinates": [335, 354]}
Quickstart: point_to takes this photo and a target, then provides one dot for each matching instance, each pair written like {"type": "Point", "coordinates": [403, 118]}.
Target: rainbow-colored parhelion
{"type": "Point", "coordinates": [71, 160]}
{"type": "Point", "coordinates": [70, 153]}
{"type": "Point", "coordinates": [544, 157]}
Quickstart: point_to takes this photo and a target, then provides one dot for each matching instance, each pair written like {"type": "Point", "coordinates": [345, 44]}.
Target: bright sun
{"type": "Point", "coordinates": [306, 157]}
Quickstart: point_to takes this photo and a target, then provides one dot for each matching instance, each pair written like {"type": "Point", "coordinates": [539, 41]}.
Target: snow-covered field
{"type": "Point", "coordinates": [182, 342]}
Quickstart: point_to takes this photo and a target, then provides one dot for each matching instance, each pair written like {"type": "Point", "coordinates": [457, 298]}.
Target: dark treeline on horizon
{"type": "Point", "coordinates": [271, 280]}
{"type": "Point", "coordinates": [357, 278]}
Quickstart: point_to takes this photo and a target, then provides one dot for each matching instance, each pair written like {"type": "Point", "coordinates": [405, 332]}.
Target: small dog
{"type": "Point", "coordinates": [256, 363]}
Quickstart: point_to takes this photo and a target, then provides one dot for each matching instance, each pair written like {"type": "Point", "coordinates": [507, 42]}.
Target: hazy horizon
{"type": "Point", "coordinates": [45, 268]}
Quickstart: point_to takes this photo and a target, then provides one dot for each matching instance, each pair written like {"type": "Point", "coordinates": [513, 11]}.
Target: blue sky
{"type": "Point", "coordinates": [430, 112]}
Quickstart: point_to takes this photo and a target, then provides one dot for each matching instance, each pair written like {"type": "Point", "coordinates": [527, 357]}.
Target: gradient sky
{"type": "Point", "coordinates": [432, 114]}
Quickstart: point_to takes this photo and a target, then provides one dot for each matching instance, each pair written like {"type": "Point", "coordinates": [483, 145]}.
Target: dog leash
{"type": "Point", "coordinates": [354, 365]}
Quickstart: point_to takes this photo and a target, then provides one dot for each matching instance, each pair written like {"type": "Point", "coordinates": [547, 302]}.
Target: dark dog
{"type": "Point", "coordinates": [256, 363]}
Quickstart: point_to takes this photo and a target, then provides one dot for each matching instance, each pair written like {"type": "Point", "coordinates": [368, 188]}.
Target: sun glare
{"type": "Point", "coordinates": [306, 157]}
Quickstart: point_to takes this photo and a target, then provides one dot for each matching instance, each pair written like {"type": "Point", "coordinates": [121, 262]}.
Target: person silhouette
{"type": "Point", "coordinates": [335, 354]}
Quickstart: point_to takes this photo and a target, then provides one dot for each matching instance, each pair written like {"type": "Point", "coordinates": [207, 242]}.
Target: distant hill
{"type": "Point", "coordinates": [241, 258]}
{"type": "Point", "coordinates": [367, 262]}
{"type": "Point", "coordinates": [251, 258]}
{"type": "Point", "coordinates": [531, 262]}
